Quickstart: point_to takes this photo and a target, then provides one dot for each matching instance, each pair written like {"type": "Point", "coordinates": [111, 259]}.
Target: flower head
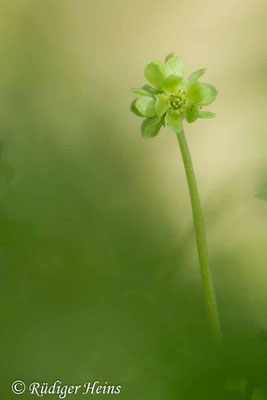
{"type": "Point", "coordinates": [171, 99]}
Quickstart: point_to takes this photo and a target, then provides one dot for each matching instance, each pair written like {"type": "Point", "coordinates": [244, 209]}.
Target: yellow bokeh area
{"type": "Point", "coordinates": [99, 271]}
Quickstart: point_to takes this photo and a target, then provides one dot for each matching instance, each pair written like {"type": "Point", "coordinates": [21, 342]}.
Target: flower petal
{"type": "Point", "coordinates": [154, 73]}
{"type": "Point", "coordinates": [169, 56]}
{"type": "Point", "coordinates": [134, 109]}
{"type": "Point", "coordinates": [197, 74]}
{"type": "Point", "coordinates": [171, 84]}
{"type": "Point", "coordinates": [206, 114]}
{"type": "Point", "coordinates": [191, 113]}
{"type": "Point", "coordinates": [209, 94]}
{"type": "Point", "coordinates": [162, 104]}
{"type": "Point", "coordinates": [151, 127]}
{"type": "Point", "coordinates": [194, 92]}
{"type": "Point", "coordinates": [174, 121]}
{"type": "Point", "coordinates": [174, 66]}
{"type": "Point", "coordinates": [146, 90]}
{"type": "Point", "coordinates": [146, 106]}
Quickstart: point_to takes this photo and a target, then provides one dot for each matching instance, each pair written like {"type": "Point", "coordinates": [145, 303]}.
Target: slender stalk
{"type": "Point", "coordinates": [210, 300]}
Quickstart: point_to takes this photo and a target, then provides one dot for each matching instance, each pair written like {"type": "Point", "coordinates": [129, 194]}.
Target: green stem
{"type": "Point", "coordinates": [210, 300]}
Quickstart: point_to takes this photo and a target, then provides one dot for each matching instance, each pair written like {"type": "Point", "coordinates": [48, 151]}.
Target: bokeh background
{"type": "Point", "coordinates": [99, 273]}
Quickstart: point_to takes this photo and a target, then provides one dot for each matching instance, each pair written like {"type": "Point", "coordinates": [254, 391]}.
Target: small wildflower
{"type": "Point", "coordinates": [171, 99]}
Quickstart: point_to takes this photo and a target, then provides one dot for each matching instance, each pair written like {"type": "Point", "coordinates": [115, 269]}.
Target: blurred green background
{"type": "Point", "coordinates": [99, 273]}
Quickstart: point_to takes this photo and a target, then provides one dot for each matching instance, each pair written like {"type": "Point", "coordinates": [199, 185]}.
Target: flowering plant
{"type": "Point", "coordinates": [171, 99]}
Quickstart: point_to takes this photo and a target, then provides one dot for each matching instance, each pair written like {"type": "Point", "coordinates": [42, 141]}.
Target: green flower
{"type": "Point", "coordinates": [172, 99]}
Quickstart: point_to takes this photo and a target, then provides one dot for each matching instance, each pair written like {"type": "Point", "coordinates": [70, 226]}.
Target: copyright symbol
{"type": "Point", "coordinates": [18, 387]}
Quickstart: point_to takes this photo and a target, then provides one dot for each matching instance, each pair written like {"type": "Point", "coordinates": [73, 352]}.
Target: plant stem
{"type": "Point", "coordinates": [210, 300]}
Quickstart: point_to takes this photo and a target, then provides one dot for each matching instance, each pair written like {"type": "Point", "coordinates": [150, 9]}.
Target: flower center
{"type": "Point", "coordinates": [176, 102]}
